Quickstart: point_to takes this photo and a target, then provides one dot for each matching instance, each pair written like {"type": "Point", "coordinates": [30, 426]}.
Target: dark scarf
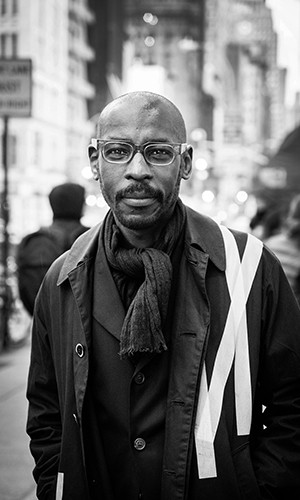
{"type": "Point", "coordinates": [150, 272]}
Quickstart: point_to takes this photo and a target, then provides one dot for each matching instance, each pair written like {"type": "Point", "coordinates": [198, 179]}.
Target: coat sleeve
{"type": "Point", "coordinates": [44, 421]}
{"type": "Point", "coordinates": [276, 454]}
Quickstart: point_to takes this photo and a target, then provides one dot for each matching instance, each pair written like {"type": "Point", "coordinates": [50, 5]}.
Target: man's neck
{"type": "Point", "coordinates": [140, 238]}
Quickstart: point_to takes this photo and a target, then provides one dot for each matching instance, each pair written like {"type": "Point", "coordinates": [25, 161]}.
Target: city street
{"type": "Point", "coordinates": [16, 463]}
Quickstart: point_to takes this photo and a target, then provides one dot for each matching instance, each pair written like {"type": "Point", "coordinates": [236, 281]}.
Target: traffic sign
{"type": "Point", "coordinates": [15, 87]}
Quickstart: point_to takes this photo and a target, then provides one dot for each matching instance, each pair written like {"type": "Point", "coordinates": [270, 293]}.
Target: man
{"type": "Point", "coordinates": [153, 350]}
{"type": "Point", "coordinates": [286, 245]}
{"type": "Point", "coordinates": [38, 250]}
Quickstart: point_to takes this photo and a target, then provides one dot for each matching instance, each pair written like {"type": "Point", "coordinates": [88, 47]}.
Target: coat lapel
{"type": "Point", "coordinates": [108, 308]}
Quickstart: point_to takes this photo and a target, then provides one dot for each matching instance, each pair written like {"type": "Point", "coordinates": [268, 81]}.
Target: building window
{"type": "Point", "coordinates": [3, 7]}
{"type": "Point", "coordinates": [3, 48]}
{"type": "Point", "coordinates": [15, 7]}
{"type": "Point", "coordinates": [37, 148]}
{"type": "Point", "coordinates": [8, 45]}
{"type": "Point", "coordinates": [14, 44]}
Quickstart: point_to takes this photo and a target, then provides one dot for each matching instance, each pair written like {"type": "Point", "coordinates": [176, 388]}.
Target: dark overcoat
{"type": "Point", "coordinates": [265, 464]}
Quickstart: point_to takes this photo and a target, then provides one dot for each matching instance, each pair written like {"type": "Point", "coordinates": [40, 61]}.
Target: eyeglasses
{"type": "Point", "coordinates": [156, 154]}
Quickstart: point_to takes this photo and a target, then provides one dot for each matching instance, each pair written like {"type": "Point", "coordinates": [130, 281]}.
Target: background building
{"type": "Point", "coordinates": [106, 36]}
{"type": "Point", "coordinates": [163, 52]}
{"type": "Point", "coordinates": [48, 147]}
{"type": "Point", "coordinates": [241, 74]}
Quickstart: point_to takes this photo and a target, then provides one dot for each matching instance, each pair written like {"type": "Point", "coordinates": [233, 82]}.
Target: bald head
{"type": "Point", "coordinates": [140, 107]}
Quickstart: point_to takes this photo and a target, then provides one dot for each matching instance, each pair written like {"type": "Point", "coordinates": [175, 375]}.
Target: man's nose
{"type": "Point", "coordinates": [138, 168]}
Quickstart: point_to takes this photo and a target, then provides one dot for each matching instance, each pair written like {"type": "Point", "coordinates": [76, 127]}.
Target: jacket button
{"type": "Point", "coordinates": [139, 378]}
{"type": "Point", "coordinates": [80, 350]}
{"type": "Point", "coordinates": [139, 444]}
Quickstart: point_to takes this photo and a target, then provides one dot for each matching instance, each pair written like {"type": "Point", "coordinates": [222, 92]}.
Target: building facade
{"type": "Point", "coordinates": [163, 52]}
{"type": "Point", "coordinates": [241, 73]}
{"type": "Point", "coordinates": [106, 36]}
{"type": "Point", "coordinates": [49, 147]}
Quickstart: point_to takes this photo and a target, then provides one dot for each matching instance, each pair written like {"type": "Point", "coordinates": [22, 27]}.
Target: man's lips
{"type": "Point", "coordinates": [139, 200]}
{"type": "Point", "coordinates": [139, 196]}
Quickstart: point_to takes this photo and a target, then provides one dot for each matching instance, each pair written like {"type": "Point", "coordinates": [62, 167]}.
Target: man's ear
{"type": "Point", "coordinates": [187, 159]}
{"type": "Point", "coordinates": [93, 156]}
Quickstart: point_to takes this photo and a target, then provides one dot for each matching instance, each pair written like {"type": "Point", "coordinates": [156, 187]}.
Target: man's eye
{"type": "Point", "coordinates": [117, 152]}
{"type": "Point", "coordinates": [160, 153]}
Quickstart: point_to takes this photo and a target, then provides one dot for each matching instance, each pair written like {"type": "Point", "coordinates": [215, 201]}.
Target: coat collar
{"type": "Point", "coordinates": [84, 249]}
{"type": "Point", "coordinates": [202, 233]}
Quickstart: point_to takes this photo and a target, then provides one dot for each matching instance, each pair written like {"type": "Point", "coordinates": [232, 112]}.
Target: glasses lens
{"type": "Point", "coordinates": [159, 154]}
{"type": "Point", "coordinates": [117, 152]}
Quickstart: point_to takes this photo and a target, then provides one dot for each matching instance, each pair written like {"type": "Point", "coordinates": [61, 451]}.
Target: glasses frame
{"type": "Point", "coordinates": [178, 148]}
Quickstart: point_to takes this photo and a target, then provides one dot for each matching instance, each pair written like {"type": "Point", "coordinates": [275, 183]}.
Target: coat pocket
{"type": "Point", "coordinates": [245, 473]}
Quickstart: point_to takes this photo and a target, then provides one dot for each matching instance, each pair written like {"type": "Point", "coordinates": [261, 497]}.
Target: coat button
{"type": "Point", "coordinates": [139, 444]}
{"type": "Point", "coordinates": [80, 350]}
{"type": "Point", "coordinates": [139, 378]}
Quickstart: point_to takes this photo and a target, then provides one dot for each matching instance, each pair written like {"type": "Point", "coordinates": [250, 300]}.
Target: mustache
{"type": "Point", "coordinates": [139, 188]}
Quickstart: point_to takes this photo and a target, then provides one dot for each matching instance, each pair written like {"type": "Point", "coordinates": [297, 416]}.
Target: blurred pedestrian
{"type": "Point", "coordinates": [286, 245]}
{"type": "Point", "coordinates": [38, 250]}
{"type": "Point", "coordinates": [159, 338]}
{"type": "Point", "coordinates": [266, 222]}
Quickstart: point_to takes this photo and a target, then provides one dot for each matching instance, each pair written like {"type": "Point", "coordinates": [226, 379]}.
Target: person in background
{"type": "Point", "coordinates": [165, 348]}
{"type": "Point", "coordinates": [266, 222]}
{"type": "Point", "coordinates": [38, 250]}
{"type": "Point", "coordinates": [286, 245]}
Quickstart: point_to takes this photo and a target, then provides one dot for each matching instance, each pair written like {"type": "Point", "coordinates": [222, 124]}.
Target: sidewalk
{"type": "Point", "coordinates": [16, 463]}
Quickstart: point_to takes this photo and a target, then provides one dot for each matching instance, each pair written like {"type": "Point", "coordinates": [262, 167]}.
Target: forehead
{"type": "Point", "coordinates": [139, 122]}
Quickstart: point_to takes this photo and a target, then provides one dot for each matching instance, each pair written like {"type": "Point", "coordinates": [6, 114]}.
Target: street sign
{"type": "Point", "coordinates": [15, 87]}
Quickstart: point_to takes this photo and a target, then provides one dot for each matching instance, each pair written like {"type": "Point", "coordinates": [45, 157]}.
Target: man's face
{"type": "Point", "coordinates": [140, 195]}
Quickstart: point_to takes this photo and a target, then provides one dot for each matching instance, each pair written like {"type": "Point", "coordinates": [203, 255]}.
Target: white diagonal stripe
{"type": "Point", "coordinates": [233, 346]}
{"type": "Point", "coordinates": [59, 486]}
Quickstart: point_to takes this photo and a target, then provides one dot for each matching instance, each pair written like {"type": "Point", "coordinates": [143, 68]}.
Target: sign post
{"type": "Point", "coordinates": [15, 101]}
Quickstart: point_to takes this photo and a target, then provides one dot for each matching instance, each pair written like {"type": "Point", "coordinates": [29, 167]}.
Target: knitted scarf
{"type": "Point", "coordinates": [150, 270]}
